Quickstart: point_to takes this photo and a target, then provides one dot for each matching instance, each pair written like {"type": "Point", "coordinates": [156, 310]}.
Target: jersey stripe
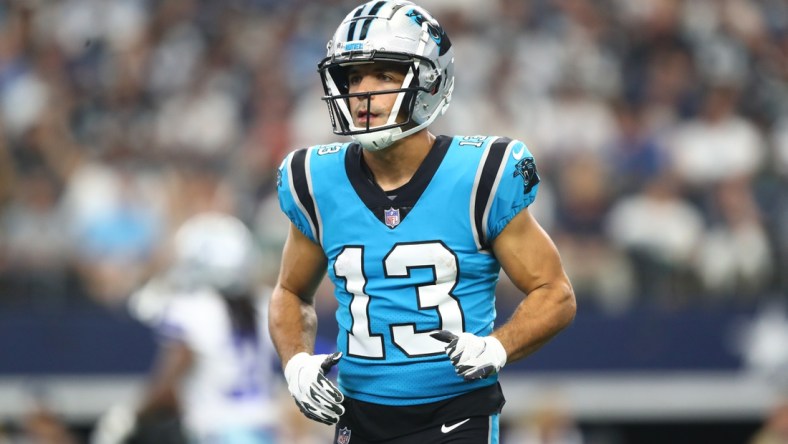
{"type": "Point", "coordinates": [318, 217]}
{"type": "Point", "coordinates": [507, 149]}
{"type": "Point", "coordinates": [301, 184]}
{"type": "Point", "coordinates": [474, 192]}
{"type": "Point", "coordinates": [488, 176]}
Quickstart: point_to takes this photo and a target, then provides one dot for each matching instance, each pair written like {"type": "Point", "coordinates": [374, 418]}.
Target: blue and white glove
{"type": "Point", "coordinates": [473, 357]}
{"type": "Point", "coordinates": [317, 397]}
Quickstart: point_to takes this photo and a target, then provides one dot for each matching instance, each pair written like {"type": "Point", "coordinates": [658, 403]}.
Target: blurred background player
{"type": "Point", "coordinates": [215, 361]}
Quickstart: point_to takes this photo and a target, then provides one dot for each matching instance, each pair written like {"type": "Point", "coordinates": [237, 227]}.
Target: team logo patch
{"type": "Point", "coordinates": [344, 436]}
{"type": "Point", "coordinates": [437, 33]}
{"type": "Point", "coordinates": [526, 168]}
{"type": "Point", "coordinates": [392, 217]}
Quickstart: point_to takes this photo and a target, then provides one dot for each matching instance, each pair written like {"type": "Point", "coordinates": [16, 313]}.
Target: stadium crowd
{"type": "Point", "coordinates": [660, 129]}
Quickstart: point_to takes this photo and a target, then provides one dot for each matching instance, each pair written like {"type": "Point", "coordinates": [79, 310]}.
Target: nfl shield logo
{"type": "Point", "coordinates": [392, 217]}
{"type": "Point", "coordinates": [344, 436]}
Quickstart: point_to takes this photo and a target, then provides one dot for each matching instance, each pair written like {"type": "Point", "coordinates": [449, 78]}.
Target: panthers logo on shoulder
{"type": "Point", "coordinates": [526, 168]}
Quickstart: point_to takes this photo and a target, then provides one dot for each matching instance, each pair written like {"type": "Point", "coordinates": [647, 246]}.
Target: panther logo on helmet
{"type": "Point", "coordinates": [437, 33]}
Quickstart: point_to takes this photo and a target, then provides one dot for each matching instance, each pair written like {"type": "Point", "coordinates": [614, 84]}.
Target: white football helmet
{"type": "Point", "coordinates": [392, 31]}
{"type": "Point", "coordinates": [215, 250]}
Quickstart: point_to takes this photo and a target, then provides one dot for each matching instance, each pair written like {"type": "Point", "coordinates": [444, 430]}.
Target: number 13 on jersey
{"type": "Point", "coordinates": [436, 295]}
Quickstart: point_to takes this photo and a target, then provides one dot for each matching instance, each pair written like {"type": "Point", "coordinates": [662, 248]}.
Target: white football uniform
{"type": "Point", "coordinates": [230, 391]}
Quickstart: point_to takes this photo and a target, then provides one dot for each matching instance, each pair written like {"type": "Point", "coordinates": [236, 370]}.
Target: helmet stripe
{"type": "Point", "coordinates": [375, 9]}
{"type": "Point", "coordinates": [352, 29]}
{"type": "Point", "coordinates": [367, 22]}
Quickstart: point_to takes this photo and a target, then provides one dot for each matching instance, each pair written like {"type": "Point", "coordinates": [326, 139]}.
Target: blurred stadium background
{"type": "Point", "coordinates": [660, 128]}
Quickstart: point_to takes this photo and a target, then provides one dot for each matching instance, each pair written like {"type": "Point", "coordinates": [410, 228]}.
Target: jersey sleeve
{"type": "Point", "coordinates": [517, 183]}
{"type": "Point", "coordinates": [190, 318]}
{"type": "Point", "coordinates": [294, 193]}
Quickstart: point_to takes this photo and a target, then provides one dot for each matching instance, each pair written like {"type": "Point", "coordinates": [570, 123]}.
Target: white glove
{"type": "Point", "coordinates": [473, 357]}
{"type": "Point", "coordinates": [317, 397]}
{"type": "Point", "coordinates": [115, 426]}
{"type": "Point", "coordinates": [149, 303]}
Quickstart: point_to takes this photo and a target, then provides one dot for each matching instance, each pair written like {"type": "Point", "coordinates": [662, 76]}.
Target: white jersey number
{"type": "Point", "coordinates": [433, 295]}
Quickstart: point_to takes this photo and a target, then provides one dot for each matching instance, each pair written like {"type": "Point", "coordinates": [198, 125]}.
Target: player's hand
{"type": "Point", "coordinates": [115, 426]}
{"type": "Point", "coordinates": [473, 357]}
{"type": "Point", "coordinates": [317, 397]}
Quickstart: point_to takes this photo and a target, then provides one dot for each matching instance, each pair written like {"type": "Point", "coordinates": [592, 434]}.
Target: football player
{"type": "Point", "coordinates": [413, 230]}
{"type": "Point", "coordinates": [216, 362]}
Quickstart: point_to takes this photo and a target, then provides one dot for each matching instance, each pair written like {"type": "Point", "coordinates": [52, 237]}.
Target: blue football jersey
{"type": "Point", "coordinates": [408, 265]}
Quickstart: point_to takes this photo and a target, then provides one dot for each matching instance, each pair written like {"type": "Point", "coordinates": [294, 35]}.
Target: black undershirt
{"type": "Point", "coordinates": [391, 194]}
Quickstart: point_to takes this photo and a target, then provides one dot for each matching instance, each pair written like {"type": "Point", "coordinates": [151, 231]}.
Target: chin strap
{"type": "Point", "coordinates": [378, 140]}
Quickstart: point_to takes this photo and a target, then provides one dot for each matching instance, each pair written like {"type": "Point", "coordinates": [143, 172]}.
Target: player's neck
{"type": "Point", "coordinates": [394, 166]}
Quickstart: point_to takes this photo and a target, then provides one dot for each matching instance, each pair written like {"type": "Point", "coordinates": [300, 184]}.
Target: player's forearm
{"type": "Point", "coordinates": [292, 323]}
{"type": "Point", "coordinates": [540, 316]}
{"type": "Point", "coordinates": [157, 400]}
